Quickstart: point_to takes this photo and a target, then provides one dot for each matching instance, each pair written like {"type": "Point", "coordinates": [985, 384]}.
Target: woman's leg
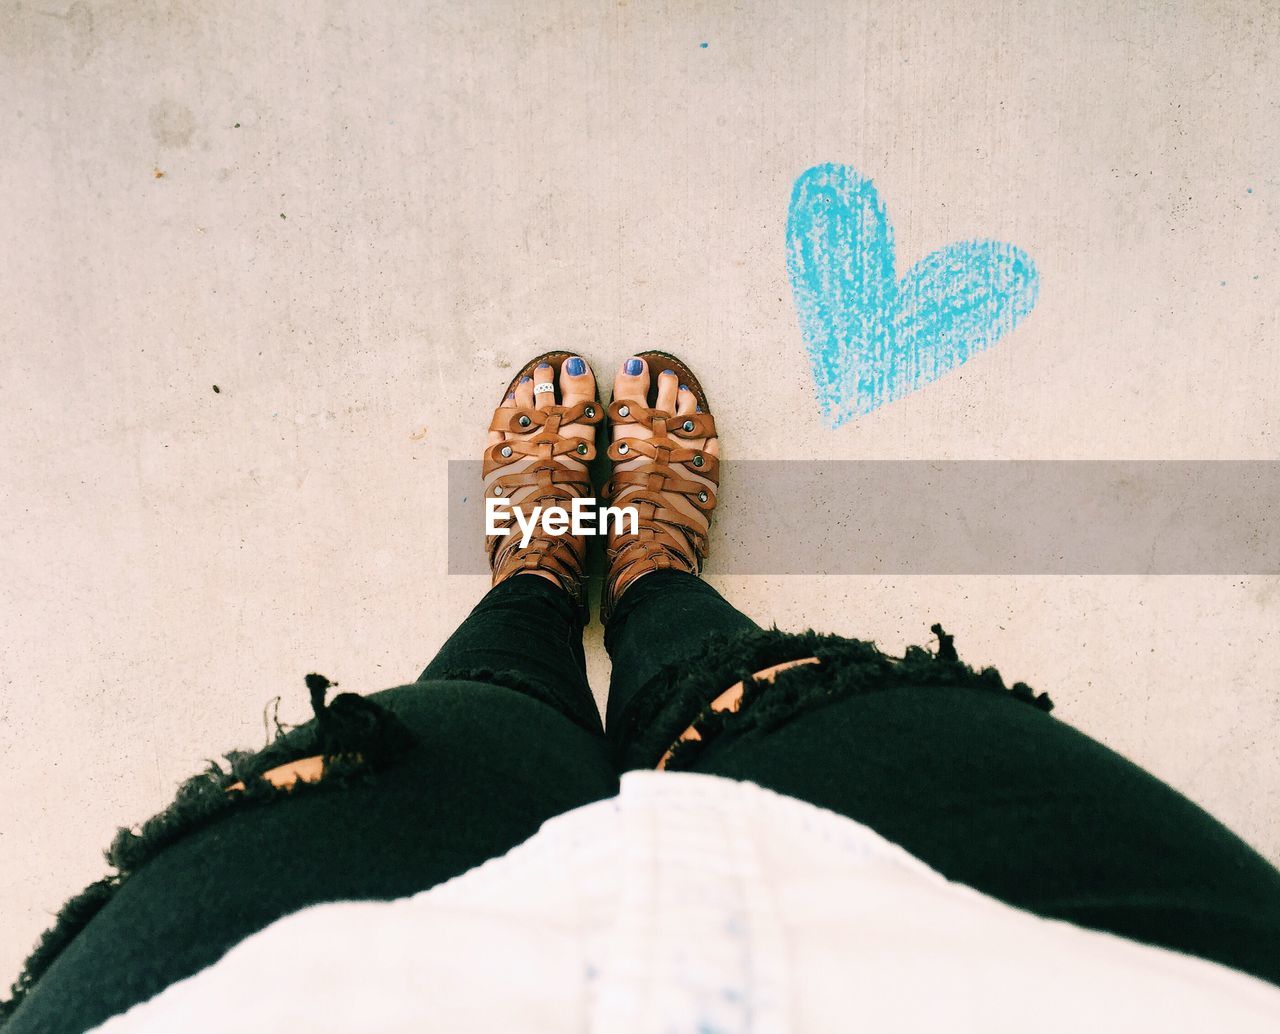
{"type": "Point", "coordinates": [978, 781]}
{"type": "Point", "coordinates": [944, 761]}
{"type": "Point", "coordinates": [664, 616]}
{"type": "Point", "coordinates": [417, 784]}
{"type": "Point", "coordinates": [1007, 799]}
{"type": "Point", "coordinates": [527, 633]}
{"type": "Point", "coordinates": [487, 765]}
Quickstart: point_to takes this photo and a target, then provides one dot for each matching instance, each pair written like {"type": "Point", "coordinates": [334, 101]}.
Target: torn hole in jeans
{"type": "Point", "coordinates": [730, 701]}
{"type": "Point", "coordinates": [354, 738]}
{"type": "Point", "coordinates": [677, 698]}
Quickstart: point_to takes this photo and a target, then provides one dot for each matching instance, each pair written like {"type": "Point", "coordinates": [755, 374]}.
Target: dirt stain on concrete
{"type": "Point", "coordinates": [172, 124]}
{"type": "Point", "coordinates": [79, 18]}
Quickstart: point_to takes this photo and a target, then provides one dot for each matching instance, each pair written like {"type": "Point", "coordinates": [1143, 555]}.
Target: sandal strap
{"type": "Point", "coordinates": [519, 421]}
{"type": "Point", "coordinates": [667, 536]}
{"type": "Point", "coordinates": [661, 422]}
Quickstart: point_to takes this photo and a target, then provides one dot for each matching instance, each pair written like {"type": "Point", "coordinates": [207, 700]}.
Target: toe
{"type": "Point", "coordinates": [668, 387]}
{"type": "Point", "coordinates": [544, 374]}
{"type": "Point", "coordinates": [507, 403]}
{"type": "Point", "coordinates": [632, 381]}
{"type": "Point", "coordinates": [711, 446]}
{"type": "Point", "coordinates": [686, 401]}
{"type": "Point", "coordinates": [524, 393]}
{"type": "Point", "coordinates": [577, 384]}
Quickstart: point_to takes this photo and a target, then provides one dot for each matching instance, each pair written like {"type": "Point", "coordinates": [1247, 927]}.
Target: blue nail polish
{"type": "Point", "coordinates": [511, 397]}
{"type": "Point", "coordinates": [698, 410]}
{"type": "Point", "coordinates": [634, 366]}
{"type": "Point", "coordinates": [684, 387]}
{"type": "Point", "coordinates": [544, 366]}
{"type": "Point", "coordinates": [525, 380]}
{"type": "Point", "coordinates": [576, 367]}
{"type": "Point", "coordinates": [672, 372]}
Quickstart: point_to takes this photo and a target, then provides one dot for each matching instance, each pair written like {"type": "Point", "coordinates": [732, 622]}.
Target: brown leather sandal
{"type": "Point", "coordinates": [670, 482]}
{"type": "Point", "coordinates": [540, 466]}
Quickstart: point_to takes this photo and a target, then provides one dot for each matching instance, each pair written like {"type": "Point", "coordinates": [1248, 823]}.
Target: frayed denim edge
{"type": "Point", "coordinates": [679, 695]}
{"type": "Point", "coordinates": [356, 738]}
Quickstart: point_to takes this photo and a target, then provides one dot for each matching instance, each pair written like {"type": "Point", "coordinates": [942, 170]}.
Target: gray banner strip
{"type": "Point", "coordinates": [967, 517]}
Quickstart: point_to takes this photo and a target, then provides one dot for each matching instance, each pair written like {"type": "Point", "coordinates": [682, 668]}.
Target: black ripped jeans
{"type": "Point", "coordinates": [500, 733]}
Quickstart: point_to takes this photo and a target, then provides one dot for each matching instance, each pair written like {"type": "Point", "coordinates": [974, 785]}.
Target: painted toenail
{"type": "Point", "coordinates": [576, 367]}
{"type": "Point", "coordinates": [634, 366]}
{"type": "Point", "coordinates": [511, 397]}
{"type": "Point", "coordinates": [544, 366]}
{"type": "Point", "coordinates": [684, 387]}
{"type": "Point", "coordinates": [525, 380]}
{"type": "Point", "coordinates": [668, 372]}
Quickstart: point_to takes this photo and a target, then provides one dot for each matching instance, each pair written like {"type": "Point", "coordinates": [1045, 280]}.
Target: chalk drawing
{"type": "Point", "coordinates": [871, 337]}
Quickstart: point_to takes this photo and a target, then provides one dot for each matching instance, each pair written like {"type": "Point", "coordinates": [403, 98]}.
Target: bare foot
{"type": "Point", "coordinates": [520, 452]}
{"type": "Point", "coordinates": [673, 522]}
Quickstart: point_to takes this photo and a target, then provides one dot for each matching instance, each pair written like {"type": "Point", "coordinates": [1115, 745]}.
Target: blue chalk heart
{"type": "Point", "coordinates": [871, 337]}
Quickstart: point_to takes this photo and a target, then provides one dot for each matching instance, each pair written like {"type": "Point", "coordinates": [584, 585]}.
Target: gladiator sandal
{"type": "Point", "coordinates": [538, 465]}
{"type": "Point", "coordinates": [669, 479]}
